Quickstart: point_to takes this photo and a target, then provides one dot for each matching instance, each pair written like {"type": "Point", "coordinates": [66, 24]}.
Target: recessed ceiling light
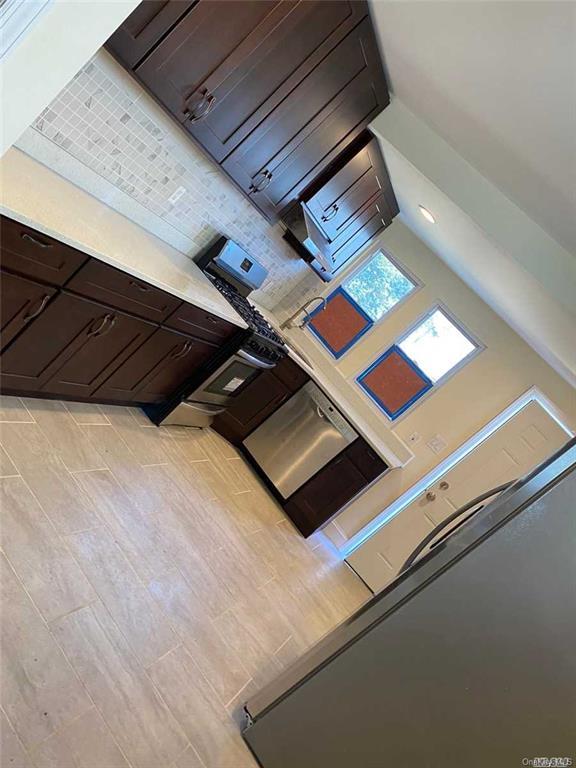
{"type": "Point", "coordinates": [427, 215]}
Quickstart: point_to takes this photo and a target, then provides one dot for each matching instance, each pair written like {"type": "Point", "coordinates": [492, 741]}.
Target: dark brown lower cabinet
{"type": "Point", "coordinates": [325, 494]}
{"type": "Point", "coordinates": [72, 348]}
{"type": "Point", "coordinates": [259, 400]}
{"type": "Point", "coordinates": [21, 301]}
{"type": "Point", "coordinates": [157, 368]}
{"type": "Point", "coordinates": [264, 395]}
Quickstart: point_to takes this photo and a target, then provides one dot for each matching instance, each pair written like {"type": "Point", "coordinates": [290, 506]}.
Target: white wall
{"type": "Point", "coordinates": [505, 256]}
{"type": "Point", "coordinates": [496, 377]}
{"type": "Point", "coordinates": [49, 54]}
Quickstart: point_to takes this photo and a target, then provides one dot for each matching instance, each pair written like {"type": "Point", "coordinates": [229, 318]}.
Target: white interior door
{"type": "Point", "coordinates": [512, 450]}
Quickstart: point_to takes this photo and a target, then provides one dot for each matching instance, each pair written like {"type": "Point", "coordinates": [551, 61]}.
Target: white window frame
{"type": "Point", "coordinates": [349, 275]}
{"type": "Point", "coordinates": [472, 338]}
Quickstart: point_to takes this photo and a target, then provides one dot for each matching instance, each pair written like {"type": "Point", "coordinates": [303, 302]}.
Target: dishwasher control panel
{"type": "Point", "coordinates": [327, 411]}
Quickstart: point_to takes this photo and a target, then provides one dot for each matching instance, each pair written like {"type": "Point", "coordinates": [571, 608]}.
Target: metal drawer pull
{"type": "Point", "coordinates": [44, 300]}
{"type": "Point", "coordinates": [183, 352]}
{"type": "Point", "coordinates": [143, 288]}
{"type": "Point", "coordinates": [430, 496]}
{"type": "Point", "coordinates": [205, 106]}
{"type": "Point", "coordinates": [213, 320]}
{"type": "Point", "coordinates": [328, 217]}
{"type": "Point", "coordinates": [444, 485]}
{"type": "Point", "coordinates": [266, 179]}
{"type": "Point", "coordinates": [99, 330]}
{"type": "Point", "coordinates": [35, 240]}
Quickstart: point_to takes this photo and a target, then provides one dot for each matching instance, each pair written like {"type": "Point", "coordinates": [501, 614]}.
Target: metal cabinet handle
{"type": "Point", "coordinates": [35, 240]}
{"type": "Point", "coordinates": [31, 315]}
{"type": "Point", "coordinates": [444, 485]}
{"type": "Point", "coordinates": [430, 496]}
{"type": "Point", "coordinates": [260, 187]}
{"type": "Point", "coordinates": [101, 329]}
{"type": "Point", "coordinates": [143, 288]}
{"type": "Point", "coordinates": [213, 320]}
{"type": "Point", "coordinates": [202, 109]}
{"type": "Point", "coordinates": [183, 352]}
{"type": "Point", "coordinates": [328, 217]}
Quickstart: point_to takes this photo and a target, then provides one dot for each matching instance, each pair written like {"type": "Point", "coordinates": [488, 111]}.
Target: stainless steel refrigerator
{"type": "Point", "coordinates": [467, 660]}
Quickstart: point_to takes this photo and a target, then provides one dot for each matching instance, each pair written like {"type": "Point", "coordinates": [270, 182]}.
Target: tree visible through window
{"type": "Point", "coordinates": [379, 286]}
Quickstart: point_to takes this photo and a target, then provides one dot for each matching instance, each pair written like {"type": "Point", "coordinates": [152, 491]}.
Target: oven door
{"type": "Point", "coordinates": [226, 383]}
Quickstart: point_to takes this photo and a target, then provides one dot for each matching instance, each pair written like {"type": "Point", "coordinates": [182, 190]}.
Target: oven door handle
{"type": "Point", "coordinates": [254, 360]}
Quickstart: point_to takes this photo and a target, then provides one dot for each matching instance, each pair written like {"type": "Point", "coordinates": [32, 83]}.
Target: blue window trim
{"type": "Point", "coordinates": [428, 383]}
{"type": "Point", "coordinates": [369, 323]}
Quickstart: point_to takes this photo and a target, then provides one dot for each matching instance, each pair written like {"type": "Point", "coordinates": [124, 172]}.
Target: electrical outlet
{"type": "Point", "coordinates": [436, 444]}
{"type": "Point", "coordinates": [176, 195]}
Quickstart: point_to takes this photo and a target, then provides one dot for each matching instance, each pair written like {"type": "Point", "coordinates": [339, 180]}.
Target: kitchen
{"type": "Point", "coordinates": [107, 181]}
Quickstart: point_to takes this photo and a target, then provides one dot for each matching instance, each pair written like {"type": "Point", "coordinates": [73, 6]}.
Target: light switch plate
{"type": "Point", "coordinates": [437, 444]}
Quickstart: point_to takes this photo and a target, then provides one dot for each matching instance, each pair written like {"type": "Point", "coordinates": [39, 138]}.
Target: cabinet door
{"type": "Point", "coordinates": [157, 368]}
{"type": "Point", "coordinates": [223, 79]}
{"type": "Point", "coordinates": [348, 191]}
{"type": "Point", "coordinates": [35, 255]}
{"type": "Point", "coordinates": [309, 129]}
{"type": "Point", "coordinates": [290, 374]}
{"type": "Point", "coordinates": [21, 302]}
{"type": "Point", "coordinates": [261, 397]}
{"type": "Point", "coordinates": [366, 459]}
{"type": "Point", "coordinates": [144, 27]}
{"type": "Point", "coordinates": [71, 349]}
{"type": "Point", "coordinates": [324, 494]}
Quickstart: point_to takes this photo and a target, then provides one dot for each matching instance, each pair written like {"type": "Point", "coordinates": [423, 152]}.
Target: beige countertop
{"type": "Point", "coordinates": [34, 195]}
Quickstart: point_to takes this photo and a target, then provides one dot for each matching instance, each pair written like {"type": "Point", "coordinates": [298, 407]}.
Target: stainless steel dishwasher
{"type": "Point", "coordinates": [299, 439]}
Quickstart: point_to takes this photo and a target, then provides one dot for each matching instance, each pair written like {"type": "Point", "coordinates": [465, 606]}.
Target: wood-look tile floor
{"type": "Point", "coordinates": [149, 584]}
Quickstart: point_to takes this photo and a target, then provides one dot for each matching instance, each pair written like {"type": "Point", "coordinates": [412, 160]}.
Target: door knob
{"type": "Point", "coordinates": [430, 496]}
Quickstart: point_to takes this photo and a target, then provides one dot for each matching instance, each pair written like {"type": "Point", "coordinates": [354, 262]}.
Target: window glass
{"type": "Point", "coordinates": [378, 286]}
{"type": "Point", "coordinates": [437, 345]}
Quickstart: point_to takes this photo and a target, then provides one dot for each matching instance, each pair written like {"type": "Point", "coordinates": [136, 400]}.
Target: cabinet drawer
{"type": "Point", "coordinates": [32, 254]}
{"type": "Point", "coordinates": [100, 281]}
{"type": "Point", "coordinates": [357, 235]}
{"type": "Point", "coordinates": [365, 458]}
{"type": "Point", "coordinates": [201, 324]}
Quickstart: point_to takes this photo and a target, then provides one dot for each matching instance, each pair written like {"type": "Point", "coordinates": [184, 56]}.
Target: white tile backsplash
{"type": "Point", "coordinates": [106, 134]}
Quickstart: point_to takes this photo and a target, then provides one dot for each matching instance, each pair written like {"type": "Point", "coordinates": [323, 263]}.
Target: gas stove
{"type": "Point", "coordinates": [264, 340]}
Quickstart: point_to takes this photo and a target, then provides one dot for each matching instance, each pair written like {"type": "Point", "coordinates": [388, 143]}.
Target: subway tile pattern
{"type": "Point", "coordinates": [106, 121]}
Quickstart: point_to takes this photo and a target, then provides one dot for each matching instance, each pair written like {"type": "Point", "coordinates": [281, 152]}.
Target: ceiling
{"type": "Point", "coordinates": [497, 81]}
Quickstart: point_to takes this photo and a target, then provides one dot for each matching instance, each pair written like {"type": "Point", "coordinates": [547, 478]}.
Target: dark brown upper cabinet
{"type": "Point", "coordinates": [36, 255]}
{"type": "Point", "coordinates": [227, 65]}
{"type": "Point", "coordinates": [273, 90]}
{"type": "Point", "coordinates": [145, 26]}
{"type": "Point", "coordinates": [21, 301]}
{"type": "Point", "coordinates": [72, 348]}
{"type": "Point", "coordinates": [350, 205]}
{"type": "Point", "coordinates": [340, 199]}
{"type": "Point", "coordinates": [157, 368]}
{"type": "Point", "coordinates": [313, 125]}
